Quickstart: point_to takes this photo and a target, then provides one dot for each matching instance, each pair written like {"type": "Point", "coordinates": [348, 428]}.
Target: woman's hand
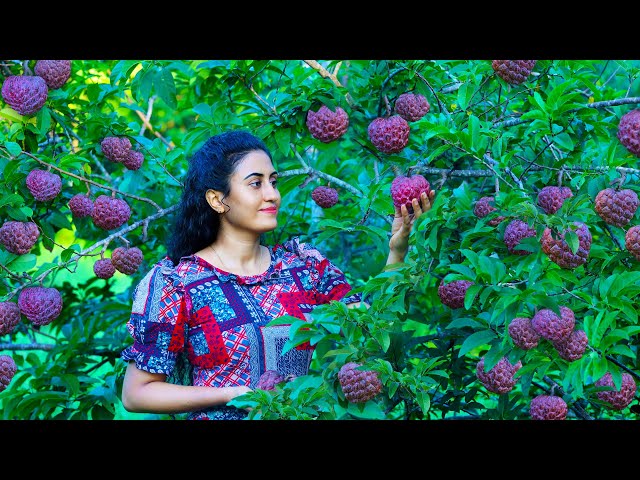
{"type": "Point", "coordinates": [402, 224]}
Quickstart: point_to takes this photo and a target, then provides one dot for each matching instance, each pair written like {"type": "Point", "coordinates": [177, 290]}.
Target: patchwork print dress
{"type": "Point", "coordinates": [196, 318]}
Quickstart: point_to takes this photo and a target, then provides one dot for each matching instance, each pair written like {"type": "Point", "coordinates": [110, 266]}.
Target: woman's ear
{"type": "Point", "coordinates": [214, 200]}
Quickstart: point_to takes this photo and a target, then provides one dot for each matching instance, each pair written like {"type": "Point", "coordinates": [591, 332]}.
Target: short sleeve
{"type": "Point", "coordinates": [332, 283]}
{"type": "Point", "coordinates": [157, 321]}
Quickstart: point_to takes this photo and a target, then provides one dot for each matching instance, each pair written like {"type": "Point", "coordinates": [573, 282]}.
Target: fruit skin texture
{"type": "Point", "coordinates": [389, 134]}
{"type": "Point", "coordinates": [500, 378]}
{"type": "Point", "coordinates": [7, 371]}
{"type": "Point", "coordinates": [25, 94]}
{"type": "Point", "coordinates": [104, 268]}
{"type": "Point", "coordinates": [513, 72]}
{"type": "Point", "coordinates": [548, 407]}
{"type": "Point", "coordinates": [412, 106]}
{"type": "Point", "coordinates": [616, 207]}
{"type": "Point", "coordinates": [54, 72]}
{"type": "Point", "coordinates": [553, 327]}
{"type": "Point", "coordinates": [116, 149]}
{"type": "Point", "coordinates": [452, 294]}
{"type": "Point", "coordinates": [550, 198]}
{"type": "Point", "coordinates": [632, 241]}
{"type": "Point", "coordinates": [19, 237]}
{"type": "Point", "coordinates": [81, 205]}
{"type": "Point", "coordinates": [325, 197]}
{"type": "Point", "coordinates": [9, 317]}
{"type": "Point", "coordinates": [41, 305]}
{"type": "Point", "coordinates": [629, 131]}
{"type": "Point", "coordinates": [617, 399]}
{"type": "Point", "coordinates": [269, 379]}
{"type": "Point", "coordinates": [43, 185]}
{"type": "Point", "coordinates": [559, 251]}
{"type": "Point", "coordinates": [127, 260]}
{"type": "Point", "coordinates": [516, 231]}
{"type": "Point", "coordinates": [327, 125]}
{"type": "Point", "coordinates": [109, 212]}
{"type": "Point", "coordinates": [358, 386]}
{"type": "Point", "coordinates": [483, 207]}
{"type": "Point", "coordinates": [523, 334]}
{"type": "Point", "coordinates": [404, 189]}
{"type": "Point", "coordinates": [133, 161]}
{"type": "Point", "coordinates": [572, 348]}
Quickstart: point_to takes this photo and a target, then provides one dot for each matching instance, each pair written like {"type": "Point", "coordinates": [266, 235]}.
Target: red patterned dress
{"type": "Point", "coordinates": [201, 325]}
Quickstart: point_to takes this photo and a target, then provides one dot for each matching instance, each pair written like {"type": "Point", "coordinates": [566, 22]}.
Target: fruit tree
{"type": "Point", "coordinates": [517, 300]}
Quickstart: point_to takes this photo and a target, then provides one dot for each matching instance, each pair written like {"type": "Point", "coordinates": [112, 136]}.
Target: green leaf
{"type": "Point", "coordinates": [475, 340]}
{"type": "Point", "coordinates": [13, 148]}
{"type": "Point", "coordinates": [470, 295]}
{"type": "Point", "coordinates": [465, 92]}
{"type": "Point", "coordinates": [424, 401]}
{"type": "Point", "coordinates": [165, 87]}
{"type": "Point", "coordinates": [12, 199]}
{"type": "Point", "coordinates": [564, 140]}
{"type": "Point", "coordinates": [11, 114]}
{"type": "Point", "coordinates": [23, 263]}
{"type": "Point", "coordinates": [572, 240]}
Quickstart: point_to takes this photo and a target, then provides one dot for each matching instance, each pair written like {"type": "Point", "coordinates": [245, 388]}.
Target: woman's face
{"type": "Point", "coordinates": [254, 200]}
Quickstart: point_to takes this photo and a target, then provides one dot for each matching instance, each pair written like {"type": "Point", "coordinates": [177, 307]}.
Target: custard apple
{"type": "Point", "coordinates": [54, 72]}
{"type": "Point", "coordinates": [104, 268]}
{"type": "Point", "coordinates": [9, 317]}
{"type": "Point", "coordinates": [572, 348]}
{"type": "Point", "coordinates": [404, 189]}
{"type": "Point", "coordinates": [126, 260]}
{"type": "Point", "coordinates": [41, 305]}
{"type": "Point", "coordinates": [25, 94]}
{"type": "Point", "coordinates": [523, 334]}
{"type": "Point", "coordinates": [516, 231]}
{"type": "Point", "coordinates": [110, 212]}
{"type": "Point", "coordinates": [327, 125]}
{"type": "Point", "coordinates": [43, 185]}
{"type": "Point", "coordinates": [412, 106]}
{"type": "Point", "coordinates": [629, 131]}
{"type": "Point", "coordinates": [632, 241]}
{"type": "Point", "coordinates": [81, 205]}
{"type": "Point", "coordinates": [325, 197]}
{"type": "Point", "coordinates": [554, 328]}
{"type": "Point", "coordinates": [551, 198]}
{"type": "Point", "coordinates": [548, 407]}
{"type": "Point", "coordinates": [617, 399]}
{"type": "Point", "coordinates": [452, 294]}
{"type": "Point", "coordinates": [358, 386]}
{"type": "Point", "coordinates": [558, 250]}
{"type": "Point", "coordinates": [19, 237]}
{"type": "Point", "coordinates": [389, 134]}
{"type": "Point", "coordinates": [8, 369]}
{"type": "Point", "coordinates": [500, 379]}
{"type": "Point", "coordinates": [116, 149]}
{"type": "Point", "coordinates": [616, 207]}
{"type": "Point", "coordinates": [513, 72]}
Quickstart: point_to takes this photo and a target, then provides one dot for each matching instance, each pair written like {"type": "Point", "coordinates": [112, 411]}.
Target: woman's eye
{"type": "Point", "coordinates": [274, 182]}
{"type": "Point", "coordinates": [255, 184]}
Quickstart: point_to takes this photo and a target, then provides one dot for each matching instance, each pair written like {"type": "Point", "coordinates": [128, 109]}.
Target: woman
{"type": "Point", "coordinates": [198, 317]}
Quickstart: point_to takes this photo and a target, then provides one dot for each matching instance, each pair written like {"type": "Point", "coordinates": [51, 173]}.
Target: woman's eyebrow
{"type": "Point", "coordinates": [260, 174]}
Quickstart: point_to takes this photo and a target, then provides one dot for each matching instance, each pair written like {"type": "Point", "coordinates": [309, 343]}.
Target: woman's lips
{"type": "Point", "coordinates": [270, 210]}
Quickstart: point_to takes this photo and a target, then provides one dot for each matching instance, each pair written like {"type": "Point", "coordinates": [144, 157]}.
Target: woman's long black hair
{"type": "Point", "coordinates": [196, 224]}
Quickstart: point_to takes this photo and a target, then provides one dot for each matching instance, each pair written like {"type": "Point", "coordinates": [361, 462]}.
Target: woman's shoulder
{"type": "Point", "coordinates": [170, 272]}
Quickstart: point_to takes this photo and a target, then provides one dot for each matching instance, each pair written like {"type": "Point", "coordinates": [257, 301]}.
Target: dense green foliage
{"type": "Point", "coordinates": [481, 137]}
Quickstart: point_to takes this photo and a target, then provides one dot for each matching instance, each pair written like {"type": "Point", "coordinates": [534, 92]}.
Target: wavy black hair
{"type": "Point", "coordinates": [196, 224]}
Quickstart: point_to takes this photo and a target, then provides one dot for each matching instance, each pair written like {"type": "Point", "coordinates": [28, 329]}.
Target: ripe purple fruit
{"type": "Point", "coordinates": [616, 207]}
{"type": "Point", "coordinates": [54, 72]}
{"type": "Point", "coordinates": [516, 231]}
{"type": "Point", "coordinates": [513, 72]}
{"type": "Point", "coordinates": [551, 198]}
{"type": "Point", "coordinates": [500, 379]}
{"type": "Point", "coordinates": [81, 205]}
{"type": "Point", "coordinates": [523, 334]}
{"type": "Point", "coordinates": [484, 207]}
{"type": "Point", "coordinates": [19, 237]}
{"type": "Point", "coordinates": [548, 407]}
{"type": "Point", "coordinates": [358, 386]}
{"type": "Point", "coordinates": [104, 268]}
{"type": "Point", "coordinates": [389, 134]}
{"type": "Point", "coordinates": [9, 317]}
{"type": "Point", "coordinates": [43, 185]}
{"type": "Point", "coordinates": [404, 189]}
{"type": "Point", "coordinates": [127, 260]}
{"type": "Point", "coordinates": [325, 197]}
{"type": "Point", "coordinates": [269, 379]}
{"type": "Point", "coordinates": [412, 106]}
{"type": "Point", "coordinates": [116, 149]}
{"type": "Point", "coordinates": [554, 328]}
{"type": "Point", "coordinates": [452, 294]}
{"type": "Point", "coordinates": [572, 348]}
{"type": "Point", "coordinates": [558, 250]}
{"type": "Point", "coordinates": [629, 131]}
{"type": "Point", "coordinates": [133, 161]}
{"type": "Point", "coordinates": [109, 212]}
{"type": "Point", "coordinates": [327, 125]}
{"type": "Point", "coordinates": [617, 399]}
{"type": "Point", "coordinates": [25, 94]}
{"type": "Point", "coordinates": [632, 241]}
{"type": "Point", "coordinates": [41, 305]}
{"type": "Point", "coordinates": [8, 369]}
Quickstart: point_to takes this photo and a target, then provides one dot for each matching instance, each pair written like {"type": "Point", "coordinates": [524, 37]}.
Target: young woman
{"type": "Point", "coordinates": [198, 316]}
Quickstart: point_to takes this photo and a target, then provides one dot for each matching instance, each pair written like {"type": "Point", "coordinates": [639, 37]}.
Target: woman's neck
{"type": "Point", "coordinates": [240, 256]}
